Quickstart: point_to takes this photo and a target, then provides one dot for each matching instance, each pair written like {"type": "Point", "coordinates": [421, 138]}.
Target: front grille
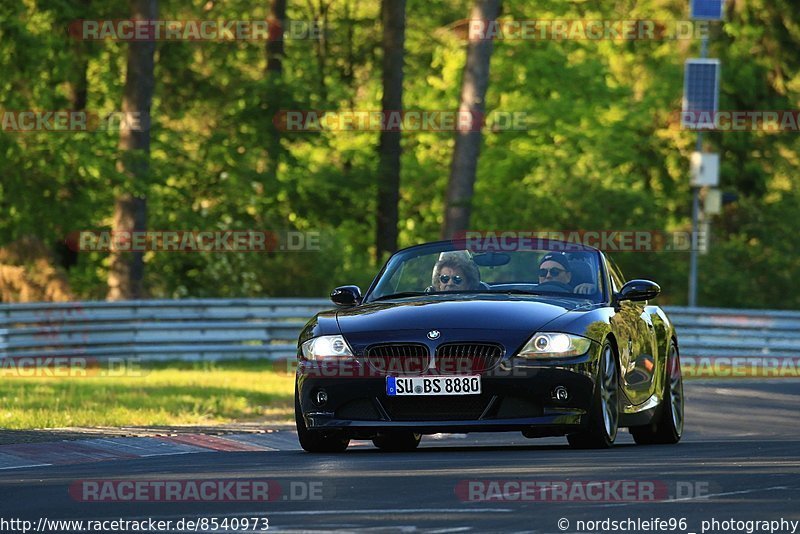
{"type": "Point", "coordinates": [444, 408]}
{"type": "Point", "coordinates": [398, 359]}
{"type": "Point", "coordinates": [467, 358]}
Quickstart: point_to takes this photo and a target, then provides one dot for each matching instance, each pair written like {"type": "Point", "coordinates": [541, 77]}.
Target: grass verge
{"type": "Point", "coordinates": [171, 393]}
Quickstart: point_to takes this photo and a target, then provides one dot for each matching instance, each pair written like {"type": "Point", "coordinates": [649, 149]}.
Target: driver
{"type": "Point", "coordinates": [554, 267]}
{"type": "Point", "coordinates": [454, 272]}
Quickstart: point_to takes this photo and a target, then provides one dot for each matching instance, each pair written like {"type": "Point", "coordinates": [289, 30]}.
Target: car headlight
{"type": "Point", "coordinates": [326, 348]}
{"type": "Point", "coordinates": [554, 345]}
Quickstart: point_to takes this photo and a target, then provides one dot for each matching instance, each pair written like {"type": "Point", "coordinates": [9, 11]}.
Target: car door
{"type": "Point", "coordinates": [636, 337]}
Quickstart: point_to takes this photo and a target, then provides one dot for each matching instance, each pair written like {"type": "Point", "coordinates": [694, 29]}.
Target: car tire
{"type": "Point", "coordinates": [667, 424]}
{"type": "Point", "coordinates": [317, 440]}
{"type": "Point", "coordinates": [399, 441]}
{"type": "Point", "coordinates": [601, 430]}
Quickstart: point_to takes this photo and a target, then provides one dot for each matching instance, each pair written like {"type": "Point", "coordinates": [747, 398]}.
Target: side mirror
{"type": "Point", "coordinates": [638, 290]}
{"type": "Point", "coordinates": [346, 295]}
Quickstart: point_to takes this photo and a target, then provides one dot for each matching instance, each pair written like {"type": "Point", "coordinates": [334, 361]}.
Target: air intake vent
{"type": "Point", "coordinates": [456, 408]}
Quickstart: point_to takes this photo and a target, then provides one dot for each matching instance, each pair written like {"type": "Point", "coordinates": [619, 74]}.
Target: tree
{"type": "Point", "coordinates": [468, 136]}
{"type": "Point", "coordinates": [393, 14]}
{"type": "Point", "coordinates": [126, 270]}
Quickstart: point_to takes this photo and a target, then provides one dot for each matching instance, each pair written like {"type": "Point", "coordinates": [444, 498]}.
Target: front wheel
{"type": "Point", "coordinates": [604, 414]}
{"type": "Point", "coordinates": [667, 425]}
{"type": "Point", "coordinates": [317, 440]}
{"type": "Point", "coordinates": [397, 441]}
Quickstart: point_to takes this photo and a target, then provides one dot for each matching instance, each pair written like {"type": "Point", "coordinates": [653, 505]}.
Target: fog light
{"type": "Point", "coordinates": [560, 393]}
{"type": "Point", "coordinates": [321, 397]}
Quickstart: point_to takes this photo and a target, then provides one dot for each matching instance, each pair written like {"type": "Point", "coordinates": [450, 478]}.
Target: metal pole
{"type": "Point", "coordinates": [696, 211]}
{"type": "Point", "coordinates": [693, 241]}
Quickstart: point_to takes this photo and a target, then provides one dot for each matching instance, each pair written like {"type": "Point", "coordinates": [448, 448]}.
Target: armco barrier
{"type": "Point", "coordinates": [210, 329]}
{"type": "Point", "coordinates": [723, 332]}
{"type": "Point", "coordinates": [204, 329]}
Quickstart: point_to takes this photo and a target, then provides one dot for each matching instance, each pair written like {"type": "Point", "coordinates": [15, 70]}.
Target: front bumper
{"type": "Point", "coordinates": [518, 395]}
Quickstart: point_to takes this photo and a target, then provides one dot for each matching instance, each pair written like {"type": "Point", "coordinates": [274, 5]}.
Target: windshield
{"type": "Point", "coordinates": [444, 269]}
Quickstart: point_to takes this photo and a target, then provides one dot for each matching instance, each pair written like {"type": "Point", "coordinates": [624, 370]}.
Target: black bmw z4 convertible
{"type": "Point", "coordinates": [543, 337]}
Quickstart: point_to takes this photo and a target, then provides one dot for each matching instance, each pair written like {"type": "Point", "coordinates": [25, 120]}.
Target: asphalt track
{"type": "Point", "coordinates": [739, 459]}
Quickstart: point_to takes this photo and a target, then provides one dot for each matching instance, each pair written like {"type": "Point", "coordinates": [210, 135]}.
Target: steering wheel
{"type": "Point", "coordinates": [555, 284]}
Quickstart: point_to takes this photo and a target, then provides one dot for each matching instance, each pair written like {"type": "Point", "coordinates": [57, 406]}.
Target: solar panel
{"type": "Point", "coordinates": [700, 92]}
{"type": "Point", "coordinates": [707, 9]}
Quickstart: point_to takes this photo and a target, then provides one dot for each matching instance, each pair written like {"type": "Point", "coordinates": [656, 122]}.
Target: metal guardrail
{"type": "Point", "coordinates": [204, 329]}
{"type": "Point", "coordinates": [209, 329]}
{"type": "Point", "coordinates": [724, 332]}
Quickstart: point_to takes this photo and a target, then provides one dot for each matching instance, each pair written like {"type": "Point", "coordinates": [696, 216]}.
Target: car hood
{"type": "Point", "coordinates": [466, 313]}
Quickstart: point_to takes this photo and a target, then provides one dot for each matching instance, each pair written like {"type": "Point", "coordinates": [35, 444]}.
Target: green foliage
{"type": "Point", "coordinates": [600, 150]}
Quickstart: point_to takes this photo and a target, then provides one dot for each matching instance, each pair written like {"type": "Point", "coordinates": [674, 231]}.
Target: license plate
{"type": "Point", "coordinates": [433, 385]}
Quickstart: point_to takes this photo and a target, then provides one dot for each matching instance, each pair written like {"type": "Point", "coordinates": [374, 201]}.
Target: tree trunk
{"type": "Point", "coordinates": [275, 91]}
{"type": "Point", "coordinates": [277, 19]}
{"type": "Point", "coordinates": [319, 15]}
{"type": "Point", "coordinates": [126, 273]}
{"type": "Point", "coordinates": [393, 14]}
{"type": "Point", "coordinates": [468, 139]}
{"type": "Point", "coordinates": [78, 85]}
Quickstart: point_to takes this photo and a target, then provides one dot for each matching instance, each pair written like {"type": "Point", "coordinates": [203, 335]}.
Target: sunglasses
{"type": "Point", "coordinates": [554, 271]}
{"type": "Point", "coordinates": [444, 278]}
